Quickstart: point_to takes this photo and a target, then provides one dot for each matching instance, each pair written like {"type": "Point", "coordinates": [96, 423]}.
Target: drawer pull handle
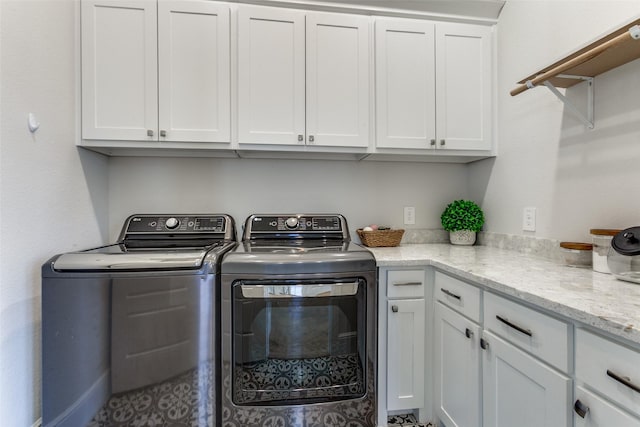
{"type": "Point", "coordinates": [580, 408]}
{"type": "Point", "coordinates": [394, 308]}
{"type": "Point", "coordinates": [408, 284]}
{"type": "Point", "coordinates": [623, 380]}
{"type": "Point", "coordinates": [451, 294]}
{"type": "Point", "coordinates": [484, 344]}
{"type": "Point", "coordinates": [468, 333]}
{"type": "Point", "coordinates": [520, 329]}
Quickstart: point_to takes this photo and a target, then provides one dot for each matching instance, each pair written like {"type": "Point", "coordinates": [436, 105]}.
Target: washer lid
{"type": "Point", "coordinates": [111, 258]}
{"type": "Point", "coordinates": [627, 242]}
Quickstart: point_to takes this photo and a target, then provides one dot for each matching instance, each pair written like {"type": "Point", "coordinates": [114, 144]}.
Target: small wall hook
{"type": "Point", "coordinates": [33, 123]}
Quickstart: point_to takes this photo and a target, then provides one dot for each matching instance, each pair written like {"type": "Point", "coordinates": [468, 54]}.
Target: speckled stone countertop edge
{"type": "Point", "coordinates": [580, 295]}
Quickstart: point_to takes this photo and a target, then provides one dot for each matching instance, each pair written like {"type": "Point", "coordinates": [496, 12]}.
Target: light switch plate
{"type": "Point", "coordinates": [409, 215]}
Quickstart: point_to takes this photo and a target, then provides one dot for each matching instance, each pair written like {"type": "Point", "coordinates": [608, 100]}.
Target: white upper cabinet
{"type": "Point", "coordinates": [155, 71]}
{"type": "Point", "coordinates": [303, 78]}
{"type": "Point", "coordinates": [194, 73]}
{"type": "Point", "coordinates": [405, 83]}
{"type": "Point", "coordinates": [433, 85]}
{"type": "Point", "coordinates": [271, 81]}
{"type": "Point", "coordinates": [338, 80]}
{"type": "Point", "coordinates": [464, 87]}
{"type": "Point", "coordinates": [119, 70]}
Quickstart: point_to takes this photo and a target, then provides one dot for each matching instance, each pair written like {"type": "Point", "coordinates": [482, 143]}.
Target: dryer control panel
{"type": "Point", "coordinates": [296, 226]}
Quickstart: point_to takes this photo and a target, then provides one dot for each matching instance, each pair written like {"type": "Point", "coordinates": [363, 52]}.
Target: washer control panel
{"type": "Point", "coordinates": [175, 224]}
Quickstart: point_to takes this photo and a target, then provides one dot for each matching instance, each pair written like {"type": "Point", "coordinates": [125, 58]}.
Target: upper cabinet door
{"type": "Point", "coordinates": [405, 83]}
{"type": "Point", "coordinates": [194, 88]}
{"type": "Point", "coordinates": [271, 76]}
{"type": "Point", "coordinates": [464, 86]}
{"type": "Point", "coordinates": [337, 80]}
{"type": "Point", "coordinates": [119, 70]}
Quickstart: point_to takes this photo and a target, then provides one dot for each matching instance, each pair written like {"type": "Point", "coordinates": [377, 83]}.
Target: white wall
{"type": "Point", "coordinates": [365, 192]}
{"type": "Point", "coordinates": [577, 179]}
{"type": "Point", "coordinates": [53, 196]}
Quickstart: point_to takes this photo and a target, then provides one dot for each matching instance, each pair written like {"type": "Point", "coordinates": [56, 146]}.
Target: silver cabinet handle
{"type": "Point", "coordinates": [468, 333]}
{"type": "Point", "coordinates": [580, 408]}
{"type": "Point", "coordinates": [433, 142]}
{"type": "Point", "coordinates": [394, 308]}
{"type": "Point", "coordinates": [408, 284]}
{"type": "Point", "coordinates": [311, 138]}
{"type": "Point", "coordinates": [484, 343]}
{"type": "Point", "coordinates": [300, 138]}
{"type": "Point", "coordinates": [520, 329]}
{"type": "Point", "coordinates": [623, 380]}
{"type": "Point", "coordinates": [163, 133]}
{"type": "Point", "coordinates": [451, 294]}
{"type": "Point", "coordinates": [149, 132]}
{"type": "Point", "coordinates": [442, 142]}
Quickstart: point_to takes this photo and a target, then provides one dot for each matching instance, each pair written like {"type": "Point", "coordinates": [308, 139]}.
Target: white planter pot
{"type": "Point", "coordinates": [462, 237]}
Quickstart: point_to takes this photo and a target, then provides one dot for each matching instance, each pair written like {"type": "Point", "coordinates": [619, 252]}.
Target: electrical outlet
{"type": "Point", "coordinates": [529, 219]}
{"type": "Point", "coordinates": [409, 215]}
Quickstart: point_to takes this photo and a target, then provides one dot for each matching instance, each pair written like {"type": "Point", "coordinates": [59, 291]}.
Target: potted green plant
{"type": "Point", "coordinates": [462, 219]}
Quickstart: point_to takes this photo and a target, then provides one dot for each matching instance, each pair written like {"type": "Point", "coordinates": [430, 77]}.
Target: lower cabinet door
{"type": "Point", "coordinates": [592, 411]}
{"type": "Point", "coordinates": [519, 390]}
{"type": "Point", "coordinates": [405, 354]}
{"type": "Point", "coordinates": [457, 367]}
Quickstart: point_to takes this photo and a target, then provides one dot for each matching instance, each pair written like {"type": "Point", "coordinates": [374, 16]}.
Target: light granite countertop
{"type": "Point", "coordinates": [582, 295]}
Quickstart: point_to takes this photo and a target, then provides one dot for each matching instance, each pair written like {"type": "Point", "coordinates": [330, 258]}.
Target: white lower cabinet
{"type": "Point", "coordinates": [405, 356]}
{"type": "Point", "coordinates": [519, 390]}
{"type": "Point", "coordinates": [496, 362]}
{"type": "Point", "coordinates": [609, 376]}
{"type": "Point", "coordinates": [457, 366]}
{"type": "Point", "coordinates": [593, 411]}
{"type": "Point", "coordinates": [402, 344]}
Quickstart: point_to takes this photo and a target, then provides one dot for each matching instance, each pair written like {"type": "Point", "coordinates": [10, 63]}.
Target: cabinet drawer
{"type": "Point", "coordinates": [610, 368]}
{"type": "Point", "coordinates": [600, 412]}
{"type": "Point", "coordinates": [460, 296]}
{"type": "Point", "coordinates": [405, 283]}
{"type": "Point", "coordinates": [537, 333]}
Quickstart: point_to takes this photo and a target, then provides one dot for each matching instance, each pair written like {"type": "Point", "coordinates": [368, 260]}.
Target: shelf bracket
{"type": "Point", "coordinates": [586, 119]}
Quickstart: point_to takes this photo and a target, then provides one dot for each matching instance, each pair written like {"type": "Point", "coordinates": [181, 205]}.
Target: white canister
{"type": "Point", "coordinates": [601, 244]}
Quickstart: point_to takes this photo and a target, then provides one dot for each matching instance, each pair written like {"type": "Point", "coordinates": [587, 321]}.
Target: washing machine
{"type": "Point", "coordinates": [130, 331]}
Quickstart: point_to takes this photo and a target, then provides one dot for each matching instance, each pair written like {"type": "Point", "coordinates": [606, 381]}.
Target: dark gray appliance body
{"type": "Point", "coordinates": [131, 331]}
{"type": "Point", "coordinates": [299, 325]}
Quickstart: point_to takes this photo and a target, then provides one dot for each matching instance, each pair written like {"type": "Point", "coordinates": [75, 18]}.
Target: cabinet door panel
{"type": "Point", "coordinates": [405, 84]}
{"type": "Point", "coordinates": [599, 361]}
{"type": "Point", "coordinates": [337, 80]}
{"type": "Point", "coordinates": [119, 70]}
{"type": "Point", "coordinates": [405, 354]}
{"type": "Point", "coordinates": [519, 390]}
{"type": "Point", "coordinates": [463, 91]}
{"type": "Point", "coordinates": [271, 76]}
{"type": "Point", "coordinates": [194, 88]}
{"type": "Point", "coordinates": [601, 413]}
{"type": "Point", "coordinates": [457, 366]}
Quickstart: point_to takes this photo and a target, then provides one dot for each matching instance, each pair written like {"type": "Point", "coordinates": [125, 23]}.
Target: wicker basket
{"type": "Point", "coordinates": [380, 238]}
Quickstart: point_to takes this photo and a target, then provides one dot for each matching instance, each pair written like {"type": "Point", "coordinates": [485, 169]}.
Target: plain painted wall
{"type": "Point", "coordinates": [53, 197]}
{"type": "Point", "coordinates": [578, 179]}
{"type": "Point", "coordinates": [365, 192]}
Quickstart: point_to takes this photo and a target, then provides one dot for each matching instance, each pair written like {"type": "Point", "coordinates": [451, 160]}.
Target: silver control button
{"type": "Point", "coordinates": [172, 223]}
{"type": "Point", "coordinates": [291, 222]}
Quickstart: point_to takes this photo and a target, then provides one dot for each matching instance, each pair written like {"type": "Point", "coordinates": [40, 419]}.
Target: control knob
{"type": "Point", "coordinates": [171, 223]}
{"type": "Point", "coordinates": [291, 222]}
